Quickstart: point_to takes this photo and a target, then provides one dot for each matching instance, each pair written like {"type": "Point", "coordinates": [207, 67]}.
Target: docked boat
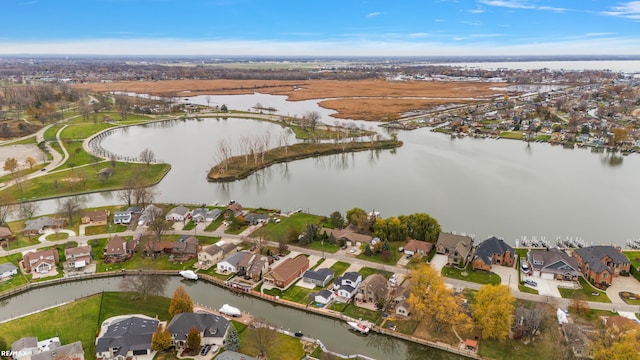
{"type": "Point", "coordinates": [358, 326]}
{"type": "Point", "coordinates": [189, 274]}
{"type": "Point", "coordinates": [230, 310]}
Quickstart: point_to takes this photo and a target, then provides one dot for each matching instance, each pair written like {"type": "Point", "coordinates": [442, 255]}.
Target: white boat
{"type": "Point", "coordinates": [358, 326]}
{"type": "Point", "coordinates": [189, 274]}
{"type": "Point", "coordinates": [230, 310]}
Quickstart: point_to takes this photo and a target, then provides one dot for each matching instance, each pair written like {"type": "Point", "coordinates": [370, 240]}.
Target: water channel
{"type": "Point", "coordinates": [482, 187]}
{"type": "Point", "coordinates": [333, 333]}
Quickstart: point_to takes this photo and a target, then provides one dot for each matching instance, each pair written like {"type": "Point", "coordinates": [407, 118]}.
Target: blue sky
{"type": "Point", "coordinates": [320, 27]}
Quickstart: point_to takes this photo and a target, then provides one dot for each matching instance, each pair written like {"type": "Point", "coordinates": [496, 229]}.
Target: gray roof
{"type": "Point", "coordinates": [25, 343]}
{"type": "Point", "coordinates": [132, 333]}
{"type": "Point", "coordinates": [214, 213]}
{"type": "Point", "coordinates": [491, 246]}
{"type": "Point", "coordinates": [256, 217]}
{"type": "Point", "coordinates": [5, 267]}
{"type": "Point", "coordinates": [180, 210]}
{"type": "Point", "coordinates": [554, 261]}
{"type": "Point", "coordinates": [232, 355]}
{"type": "Point", "coordinates": [208, 324]}
{"type": "Point", "coordinates": [451, 241]}
{"type": "Point", "coordinates": [325, 293]}
{"type": "Point", "coordinates": [61, 352]}
{"type": "Point", "coordinates": [593, 256]}
{"type": "Point", "coordinates": [199, 212]}
{"type": "Point", "coordinates": [235, 258]}
{"type": "Point", "coordinates": [320, 274]}
{"type": "Point", "coordinates": [45, 221]}
{"type": "Point", "coordinates": [351, 275]}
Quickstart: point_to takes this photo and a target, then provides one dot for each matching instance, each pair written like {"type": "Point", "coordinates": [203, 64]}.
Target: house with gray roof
{"type": "Point", "coordinates": [39, 225]}
{"type": "Point", "coordinates": [493, 251]}
{"type": "Point", "coordinates": [553, 263]}
{"type": "Point", "coordinates": [347, 284]}
{"type": "Point", "coordinates": [7, 270]}
{"type": "Point", "coordinates": [213, 215]}
{"type": "Point", "coordinates": [213, 328]}
{"type": "Point", "coordinates": [178, 213]}
{"type": "Point", "coordinates": [198, 215]}
{"type": "Point", "coordinates": [320, 277]}
{"type": "Point", "coordinates": [150, 213]}
{"type": "Point", "coordinates": [324, 296]}
{"type": "Point", "coordinates": [600, 264]}
{"type": "Point", "coordinates": [230, 264]}
{"type": "Point", "coordinates": [126, 337]}
{"type": "Point", "coordinates": [456, 247]}
{"type": "Point", "coordinates": [255, 219]}
{"type": "Point", "coordinates": [56, 351]}
{"type": "Point", "coordinates": [24, 347]}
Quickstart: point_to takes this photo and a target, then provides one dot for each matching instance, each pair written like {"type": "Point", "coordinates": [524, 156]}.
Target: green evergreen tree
{"type": "Point", "coordinates": [232, 341]}
{"type": "Point", "coordinates": [367, 250]}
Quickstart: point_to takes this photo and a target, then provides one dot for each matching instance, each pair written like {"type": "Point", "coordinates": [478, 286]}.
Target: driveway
{"type": "Point", "coordinates": [508, 276]}
{"type": "Point", "coordinates": [438, 262]}
{"type": "Point", "coordinates": [545, 287]}
{"type": "Point", "coordinates": [622, 283]}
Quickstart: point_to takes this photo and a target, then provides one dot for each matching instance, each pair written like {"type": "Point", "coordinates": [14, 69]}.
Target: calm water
{"type": "Point", "coordinates": [333, 333]}
{"type": "Point", "coordinates": [627, 66]}
{"type": "Point", "coordinates": [482, 187]}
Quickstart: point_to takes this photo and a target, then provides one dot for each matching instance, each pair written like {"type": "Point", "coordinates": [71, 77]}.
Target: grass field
{"type": "Point", "coordinates": [282, 347]}
{"type": "Point", "coordinates": [479, 277]}
{"type": "Point", "coordinates": [356, 312]}
{"type": "Point", "coordinates": [339, 268]}
{"type": "Point", "coordinates": [586, 293]}
{"type": "Point", "coordinates": [277, 232]}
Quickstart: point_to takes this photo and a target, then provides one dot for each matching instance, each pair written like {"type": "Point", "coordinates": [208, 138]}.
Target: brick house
{"type": "Point", "coordinates": [600, 264]}
{"type": "Point", "coordinates": [41, 261]}
{"type": "Point", "coordinates": [290, 269]}
{"type": "Point", "coordinates": [417, 247]}
{"type": "Point", "coordinates": [97, 217]}
{"type": "Point", "coordinates": [493, 251]}
{"type": "Point", "coordinates": [456, 247]}
{"type": "Point", "coordinates": [77, 257]}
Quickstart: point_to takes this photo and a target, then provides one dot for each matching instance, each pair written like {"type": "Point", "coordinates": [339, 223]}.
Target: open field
{"type": "Point", "coordinates": [357, 99]}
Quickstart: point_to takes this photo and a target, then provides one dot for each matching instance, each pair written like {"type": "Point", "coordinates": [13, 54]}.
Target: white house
{"type": "Point", "coordinates": [178, 213]}
{"type": "Point", "coordinates": [324, 296]}
{"type": "Point", "coordinates": [230, 264]}
{"type": "Point", "coordinates": [121, 217]}
{"type": "Point", "coordinates": [346, 285]}
{"type": "Point", "coordinates": [7, 270]}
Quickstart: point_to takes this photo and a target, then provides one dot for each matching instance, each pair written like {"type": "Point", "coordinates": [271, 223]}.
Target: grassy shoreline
{"type": "Point", "coordinates": [240, 167]}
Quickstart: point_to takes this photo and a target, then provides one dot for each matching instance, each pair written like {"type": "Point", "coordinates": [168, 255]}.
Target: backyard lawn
{"type": "Point", "coordinates": [282, 347]}
{"type": "Point", "coordinates": [277, 231]}
{"type": "Point", "coordinates": [587, 293]}
{"type": "Point", "coordinates": [479, 277]}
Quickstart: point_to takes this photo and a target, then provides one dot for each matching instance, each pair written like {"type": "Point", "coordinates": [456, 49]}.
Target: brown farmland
{"type": "Point", "coordinates": [376, 100]}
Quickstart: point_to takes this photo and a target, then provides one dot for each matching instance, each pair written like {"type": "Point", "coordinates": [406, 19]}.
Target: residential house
{"type": "Point", "coordinates": [119, 249]}
{"type": "Point", "coordinates": [178, 213]}
{"type": "Point", "coordinates": [372, 289]}
{"type": "Point", "coordinates": [578, 341]}
{"type": "Point", "coordinates": [213, 215]}
{"type": "Point", "coordinates": [122, 217]}
{"type": "Point", "coordinates": [157, 248]}
{"type": "Point", "coordinates": [348, 236]}
{"type": "Point", "coordinates": [135, 210]}
{"type": "Point", "coordinates": [214, 253]}
{"type": "Point", "coordinates": [150, 213]}
{"type": "Point", "coordinates": [126, 337]}
{"type": "Point", "coordinates": [403, 308]}
{"type": "Point", "coordinates": [96, 217]}
{"type": "Point", "coordinates": [320, 277]}
{"type": "Point", "coordinates": [212, 328]}
{"type": "Point", "coordinates": [39, 225]}
{"type": "Point", "coordinates": [553, 264]}
{"type": "Point", "coordinates": [289, 269]}
{"type": "Point", "coordinates": [324, 296]}
{"type": "Point", "coordinates": [493, 251]}
{"type": "Point", "coordinates": [198, 215]}
{"type": "Point", "coordinates": [186, 246]}
{"type": "Point", "coordinates": [7, 270]}
{"type": "Point", "coordinates": [232, 355]}
{"type": "Point", "coordinates": [234, 209]}
{"type": "Point", "coordinates": [258, 266]}
{"type": "Point", "coordinates": [24, 347]}
{"type": "Point", "coordinates": [417, 247]}
{"type": "Point", "coordinates": [5, 233]}
{"type": "Point", "coordinates": [347, 284]}
{"type": "Point", "coordinates": [77, 258]}
{"type": "Point", "coordinates": [456, 247]}
{"type": "Point", "coordinates": [230, 264]}
{"type": "Point", "coordinates": [255, 219]}
{"type": "Point", "coordinates": [56, 351]}
{"type": "Point", "coordinates": [40, 261]}
{"type": "Point", "coordinates": [600, 264]}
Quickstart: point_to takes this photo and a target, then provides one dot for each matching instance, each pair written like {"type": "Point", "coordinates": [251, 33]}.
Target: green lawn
{"type": "Point", "coordinates": [276, 232]}
{"type": "Point", "coordinates": [327, 247]}
{"type": "Point", "coordinates": [189, 226]}
{"type": "Point", "coordinates": [15, 280]}
{"type": "Point", "coordinates": [378, 258]}
{"type": "Point", "coordinates": [298, 294]}
{"type": "Point", "coordinates": [57, 236]}
{"type": "Point", "coordinates": [119, 303]}
{"type": "Point", "coordinates": [526, 289]}
{"type": "Point", "coordinates": [362, 313]}
{"type": "Point", "coordinates": [511, 135]}
{"type": "Point", "coordinates": [512, 349]}
{"type": "Point", "coordinates": [586, 293]}
{"type": "Point", "coordinates": [406, 326]}
{"type": "Point", "coordinates": [339, 267]}
{"type": "Point", "coordinates": [366, 271]}
{"type": "Point", "coordinates": [479, 277]}
{"type": "Point", "coordinates": [283, 347]}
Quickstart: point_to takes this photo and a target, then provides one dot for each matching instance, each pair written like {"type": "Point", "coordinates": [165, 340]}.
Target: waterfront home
{"type": "Point", "coordinates": [40, 261]}
{"type": "Point", "coordinates": [7, 270]}
{"type": "Point", "coordinates": [320, 277]}
{"type": "Point", "coordinates": [24, 347]}
{"type": "Point", "coordinates": [119, 249]}
{"type": "Point", "coordinates": [578, 341]}
{"type": "Point", "coordinates": [124, 338]}
{"type": "Point", "coordinates": [347, 235]}
{"type": "Point", "coordinates": [212, 328]}
{"type": "Point", "coordinates": [56, 351]}
{"type": "Point", "coordinates": [372, 289]}
{"type": "Point", "coordinates": [403, 308]}
{"type": "Point", "coordinates": [122, 217]}
{"type": "Point", "coordinates": [186, 246]}
{"type": "Point", "coordinates": [213, 215]}
{"type": "Point", "coordinates": [456, 247]}
{"type": "Point", "coordinates": [216, 252]}
{"type": "Point", "coordinates": [150, 213]}
{"type": "Point", "coordinates": [324, 296]}
{"type": "Point", "coordinates": [255, 219]}
{"type": "Point", "coordinates": [76, 258]}
{"type": "Point", "coordinates": [230, 264]}
{"type": "Point", "coordinates": [347, 284]}
{"type": "Point", "coordinates": [553, 263]}
{"type": "Point", "coordinates": [257, 266]}
{"type": "Point", "coordinates": [417, 247]}
{"type": "Point", "coordinates": [234, 209]}
{"type": "Point", "coordinates": [178, 213]}
{"type": "Point", "coordinates": [5, 233]}
{"type": "Point", "coordinates": [96, 217]}
{"type": "Point", "coordinates": [38, 226]}
{"type": "Point", "coordinates": [493, 251]}
{"type": "Point", "coordinates": [289, 270]}
{"type": "Point", "coordinates": [600, 264]}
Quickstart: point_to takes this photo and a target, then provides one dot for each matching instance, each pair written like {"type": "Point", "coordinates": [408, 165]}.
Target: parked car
{"type": "Point", "coordinates": [205, 350]}
{"type": "Point", "coordinates": [353, 250]}
{"type": "Point", "coordinates": [531, 282]}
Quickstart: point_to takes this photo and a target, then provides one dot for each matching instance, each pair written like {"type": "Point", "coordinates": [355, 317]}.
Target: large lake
{"type": "Point", "coordinates": [482, 187]}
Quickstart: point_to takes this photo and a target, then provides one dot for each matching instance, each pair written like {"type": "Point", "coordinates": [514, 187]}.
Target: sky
{"type": "Point", "coordinates": [321, 27]}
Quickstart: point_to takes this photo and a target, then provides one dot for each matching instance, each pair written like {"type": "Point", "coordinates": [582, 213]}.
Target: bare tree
{"type": "Point", "coordinates": [158, 227]}
{"type": "Point", "coordinates": [244, 148]}
{"type": "Point", "coordinates": [6, 206]}
{"type": "Point", "coordinates": [124, 103]}
{"type": "Point", "coordinates": [530, 320]}
{"type": "Point", "coordinates": [263, 338]}
{"type": "Point", "coordinates": [265, 141]}
{"type": "Point", "coordinates": [126, 195]}
{"type": "Point", "coordinates": [27, 209]}
{"type": "Point", "coordinates": [223, 153]}
{"type": "Point", "coordinates": [208, 100]}
{"type": "Point", "coordinates": [313, 118]}
{"type": "Point", "coordinates": [143, 284]}
{"type": "Point", "coordinates": [284, 139]}
{"type": "Point", "coordinates": [147, 156]}
{"type": "Point", "coordinates": [260, 242]}
{"type": "Point", "coordinates": [70, 207]}
{"type": "Point", "coordinates": [84, 107]}
{"type": "Point", "coordinates": [144, 195]}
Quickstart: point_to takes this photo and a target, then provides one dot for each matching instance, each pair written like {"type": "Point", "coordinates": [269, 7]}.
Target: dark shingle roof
{"type": "Point", "coordinates": [320, 274]}
{"type": "Point", "coordinates": [132, 333]}
{"type": "Point", "coordinates": [593, 256]}
{"type": "Point", "coordinates": [208, 324]}
{"type": "Point", "coordinates": [491, 246]}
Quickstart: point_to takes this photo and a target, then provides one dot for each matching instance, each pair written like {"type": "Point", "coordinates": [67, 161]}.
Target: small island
{"type": "Point", "coordinates": [241, 166]}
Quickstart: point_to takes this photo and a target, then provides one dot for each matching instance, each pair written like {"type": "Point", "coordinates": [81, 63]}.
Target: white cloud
{"type": "Point", "coordinates": [476, 11]}
{"type": "Point", "coordinates": [630, 10]}
{"type": "Point", "coordinates": [373, 14]}
{"type": "Point", "coordinates": [519, 4]}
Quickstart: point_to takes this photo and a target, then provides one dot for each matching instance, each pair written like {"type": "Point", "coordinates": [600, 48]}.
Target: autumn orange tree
{"type": "Point", "coordinates": [430, 299]}
{"type": "Point", "coordinates": [161, 339]}
{"type": "Point", "coordinates": [619, 340]}
{"type": "Point", "coordinates": [180, 302]}
{"type": "Point", "coordinates": [493, 311]}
